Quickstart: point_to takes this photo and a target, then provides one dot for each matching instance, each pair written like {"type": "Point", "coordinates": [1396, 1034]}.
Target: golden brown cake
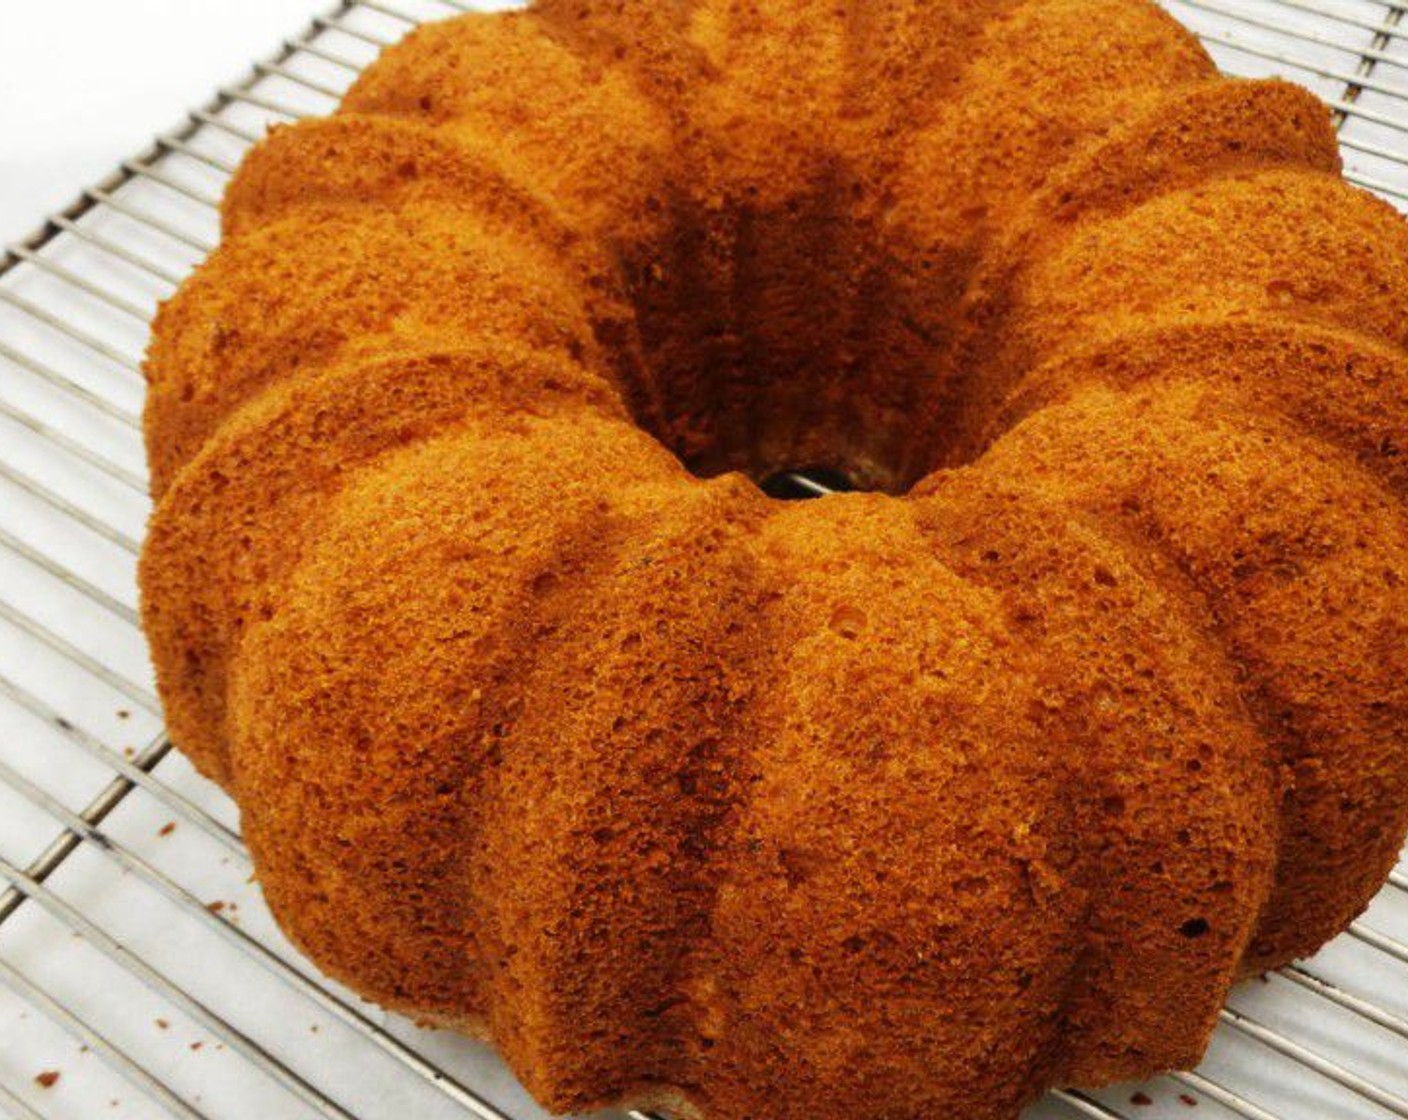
{"type": "Point", "coordinates": [547, 724]}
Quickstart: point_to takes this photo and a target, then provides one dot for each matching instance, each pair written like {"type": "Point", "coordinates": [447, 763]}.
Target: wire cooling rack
{"type": "Point", "coordinates": [140, 975]}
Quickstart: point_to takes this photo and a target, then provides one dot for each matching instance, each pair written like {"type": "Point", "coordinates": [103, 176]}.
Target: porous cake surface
{"type": "Point", "coordinates": [545, 723]}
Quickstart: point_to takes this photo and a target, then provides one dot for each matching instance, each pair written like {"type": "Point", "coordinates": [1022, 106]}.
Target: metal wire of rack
{"type": "Point", "coordinates": [139, 973]}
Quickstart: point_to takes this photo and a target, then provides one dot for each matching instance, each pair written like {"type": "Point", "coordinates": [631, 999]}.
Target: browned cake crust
{"type": "Point", "coordinates": [546, 724]}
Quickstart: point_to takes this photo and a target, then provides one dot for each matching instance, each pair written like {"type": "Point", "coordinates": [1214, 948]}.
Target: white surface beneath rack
{"type": "Point", "coordinates": [136, 960]}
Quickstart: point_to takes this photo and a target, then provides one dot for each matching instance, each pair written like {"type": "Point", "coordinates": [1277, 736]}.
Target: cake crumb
{"type": "Point", "coordinates": [129, 752]}
{"type": "Point", "coordinates": [162, 1024]}
{"type": "Point", "coordinates": [167, 829]}
{"type": "Point", "coordinates": [313, 1029]}
{"type": "Point", "coordinates": [1190, 1101]}
{"type": "Point", "coordinates": [48, 1079]}
{"type": "Point", "coordinates": [1141, 1099]}
{"type": "Point", "coordinates": [197, 1045]}
{"type": "Point", "coordinates": [215, 907]}
{"type": "Point", "coordinates": [123, 713]}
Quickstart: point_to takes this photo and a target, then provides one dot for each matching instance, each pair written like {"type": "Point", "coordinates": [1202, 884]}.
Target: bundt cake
{"type": "Point", "coordinates": [547, 724]}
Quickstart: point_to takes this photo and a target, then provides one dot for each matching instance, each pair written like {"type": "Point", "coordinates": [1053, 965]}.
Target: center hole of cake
{"type": "Point", "coordinates": [804, 483]}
